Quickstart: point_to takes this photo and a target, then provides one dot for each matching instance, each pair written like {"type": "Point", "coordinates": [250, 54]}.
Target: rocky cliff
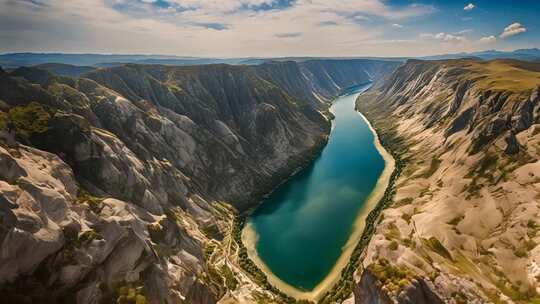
{"type": "Point", "coordinates": [462, 223]}
{"type": "Point", "coordinates": [317, 81]}
{"type": "Point", "coordinates": [117, 186]}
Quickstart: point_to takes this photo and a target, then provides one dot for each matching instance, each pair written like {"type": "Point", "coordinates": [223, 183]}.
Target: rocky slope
{"type": "Point", "coordinates": [462, 224]}
{"type": "Point", "coordinates": [117, 186]}
{"type": "Point", "coordinates": [320, 80]}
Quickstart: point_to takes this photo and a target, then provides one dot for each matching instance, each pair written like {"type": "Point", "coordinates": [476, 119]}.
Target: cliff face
{"type": "Point", "coordinates": [463, 217]}
{"type": "Point", "coordinates": [383, 283]}
{"type": "Point", "coordinates": [240, 128]}
{"type": "Point", "coordinates": [113, 185]}
{"type": "Point", "coordinates": [317, 81]}
{"type": "Point", "coordinates": [330, 76]}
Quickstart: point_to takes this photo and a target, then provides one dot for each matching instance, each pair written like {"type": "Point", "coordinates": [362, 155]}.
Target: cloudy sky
{"type": "Point", "coordinates": [239, 28]}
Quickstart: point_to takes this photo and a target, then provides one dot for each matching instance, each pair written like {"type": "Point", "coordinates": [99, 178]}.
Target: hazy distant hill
{"type": "Point", "coordinates": [15, 60]}
{"type": "Point", "coordinates": [61, 69]}
{"type": "Point", "coordinates": [521, 54]}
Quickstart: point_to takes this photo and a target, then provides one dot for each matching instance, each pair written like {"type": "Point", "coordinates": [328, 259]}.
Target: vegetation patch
{"type": "Point", "coordinates": [391, 232]}
{"type": "Point", "coordinates": [94, 203]}
{"type": "Point", "coordinates": [520, 252]}
{"type": "Point", "coordinates": [532, 228]}
{"type": "Point", "coordinates": [208, 251]}
{"type": "Point", "coordinates": [230, 280]}
{"type": "Point", "coordinates": [393, 277]}
{"type": "Point", "coordinates": [130, 293]}
{"type": "Point", "coordinates": [435, 245]}
{"type": "Point", "coordinates": [459, 297]}
{"type": "Point", "coordinates": [29, 119]}
{"type": "Point", "coordinates": [408, 242]}
{"type": "Point", "coordinates": [216, 279]}
{"type": "Point", "coordinates": [88, 236]}
{"type": "Point", "coordinates": [74, 241]}
{"type": "Point", "coordinates": [515, 294]}
{"type": "Point", "coordinates": [393, 245]}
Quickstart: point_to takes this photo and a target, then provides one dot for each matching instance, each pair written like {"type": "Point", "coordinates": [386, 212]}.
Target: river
{"type": "Point", "coordinates": [302, 227]}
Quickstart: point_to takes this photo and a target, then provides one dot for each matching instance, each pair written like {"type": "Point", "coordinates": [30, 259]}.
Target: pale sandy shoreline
{"type": "Point", "coordinates": [249, 236]}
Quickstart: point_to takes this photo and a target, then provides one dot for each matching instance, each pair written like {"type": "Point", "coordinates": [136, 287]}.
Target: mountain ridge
{"type": "Point", "coordinates": [15, 60]}
{"type": "Point", "coordinates": [461, 222]}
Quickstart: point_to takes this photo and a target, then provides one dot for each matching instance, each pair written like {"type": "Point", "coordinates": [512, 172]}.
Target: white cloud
{"type": "Point", "coordinates": [443, 37]}
{"type": "Point", "coordinates": [465, 31]}
{"type": "Point", "coordinates": [397, 25]}
{"type": "Point", "coordinates": [98, 26]}
{"type": "Point", "coordinates": [225, 6]}
{"type": "Point", "coordinates": [488, 39]}
{"type": "Point", "coordinates": [513, 29]}
{"type": "Point", "coordinates": [469, 7]}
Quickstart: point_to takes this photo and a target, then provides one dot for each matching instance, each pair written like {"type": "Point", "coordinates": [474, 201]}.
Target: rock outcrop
{"type": "Point", "coordinates": [416, 291]}
{"type": "Point", "coordinates": [463, 219]}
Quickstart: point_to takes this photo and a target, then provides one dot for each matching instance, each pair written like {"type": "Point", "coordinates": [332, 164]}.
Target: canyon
{"type": "Point", "coordinates": [123, 184]}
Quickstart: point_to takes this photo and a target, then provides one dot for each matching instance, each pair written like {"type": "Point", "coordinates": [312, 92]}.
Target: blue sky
{"type": "Point", "coordinates": [486, 18]}
{"type": "Point", "coordinates": [238, 28]}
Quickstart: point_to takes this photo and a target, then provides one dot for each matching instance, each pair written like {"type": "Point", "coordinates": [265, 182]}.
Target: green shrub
{"type": "Point", "coordinates": [95, 203]}
{"type": "Point", "coordinates": [435, 245]}
{"type": "Point", "coordinates": [88, 236]}
{"type": "Point", "coordinates": [208, 251]}
{"type": "Point", "coordinates": [130, 293]}
{"type": "Point", "coordinates": [392, 232]}
{"type": "Point", "coordinates": [392, 276]}
{"type": "Point", "coordinates": [230, 280]}
{"type": "Point", "coordinates": [30, 119]}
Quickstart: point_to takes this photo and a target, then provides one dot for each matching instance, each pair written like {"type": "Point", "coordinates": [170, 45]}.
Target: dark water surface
{"type": "Point", "coordinates": [304, 224]}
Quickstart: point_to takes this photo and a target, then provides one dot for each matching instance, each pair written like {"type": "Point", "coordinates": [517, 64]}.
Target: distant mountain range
{"type": "Point", "coordinates": [521, 54]}
{"type": "Point", "coordinates": [15, 60]}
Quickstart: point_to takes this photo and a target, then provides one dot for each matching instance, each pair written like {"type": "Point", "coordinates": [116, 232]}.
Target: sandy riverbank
{"type": "Point", "coordinates": [249, 236]}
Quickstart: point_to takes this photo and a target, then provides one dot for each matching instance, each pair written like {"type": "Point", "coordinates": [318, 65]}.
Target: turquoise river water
{"type": "Point", "coordinates": [303, 225]}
